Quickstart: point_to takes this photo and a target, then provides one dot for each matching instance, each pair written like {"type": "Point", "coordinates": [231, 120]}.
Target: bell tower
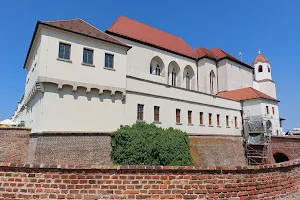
{"type": "Point", "coordinates": [263, 76]}
{"type": "Point", "coordinates": [262, 68]}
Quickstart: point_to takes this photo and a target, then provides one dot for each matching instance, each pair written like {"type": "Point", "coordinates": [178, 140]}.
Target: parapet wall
{"type": "Point", "coordinates": [149, 182]}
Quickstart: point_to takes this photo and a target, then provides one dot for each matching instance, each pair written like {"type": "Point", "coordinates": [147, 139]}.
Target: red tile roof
{"type": "Point", "coordinates": [245, 94]}
{"type": "Point", "coordinates": [82, 27]}
{"type": "Point", "coordinates": [130, 28]}
{"type": "Point", "coordinates": [260, 58]}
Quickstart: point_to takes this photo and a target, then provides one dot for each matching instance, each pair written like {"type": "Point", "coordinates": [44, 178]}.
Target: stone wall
{"type": "Point", "coordinates": [217, 151]}
{"type": "Point", "coordinates": [149, 182]}
{"type": "Point", "coordinates": [14, 144]}
{"type": "Point", "coordinates": [75, 149]}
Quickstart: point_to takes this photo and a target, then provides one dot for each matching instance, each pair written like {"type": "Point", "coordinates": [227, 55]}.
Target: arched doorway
{"type": "Point", "coordinates": [280, 157]}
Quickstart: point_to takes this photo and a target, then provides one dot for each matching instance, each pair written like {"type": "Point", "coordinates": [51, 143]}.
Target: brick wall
{"type": "Point", "coordinates": [217, 151]}
{"type": "Point", "coordinates": [14, 144]}
{"type": "Point", "coordinates": [149, 182]}
{"type": "Point", "coordinates": [290, 146]}
{"type": "Point", "coordinates": [76, 149]}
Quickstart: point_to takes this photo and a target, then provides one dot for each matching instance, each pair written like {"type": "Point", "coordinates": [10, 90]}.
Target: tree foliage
{"type": "Point", "coordinates": [147, 144]}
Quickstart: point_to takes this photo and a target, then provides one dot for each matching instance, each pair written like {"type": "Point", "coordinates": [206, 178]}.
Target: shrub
{"type": "Point", "coordinates": [147, 144]}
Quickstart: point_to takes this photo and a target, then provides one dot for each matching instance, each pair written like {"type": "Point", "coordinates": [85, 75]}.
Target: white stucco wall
{"type": "Point", "coordinates": [139, 58]}
{"type": "Point", "coordinates": [170, 98]}
{"type": "Point", "coordinates": [262, 75]}
{"type": "Point", "coordinates": [76, 71]}
{"type": "Point", "coordinates": [233, 76]}
{"type": "Point", "coordinates": [268, 87]}
{"type": "Point", "coordinates": [257, 107]}
{"type": "Point", "coordinates": [205, 67]}
{"type": "Point", "coordinates": [65, 110]}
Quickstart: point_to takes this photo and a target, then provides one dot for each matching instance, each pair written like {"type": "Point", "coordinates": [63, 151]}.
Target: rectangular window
{"type": "Point", "coordinates": [178, 116]}
{"type": "Point", "coordinates": [64, 51]}
{"type": "Point", "coordinates": [227, 120]}
{"type": "Point", "coordinates": [156, 113]}
{"type": "Point", "coordinates": [201, 118]}
{"type": "Point", "coordinates": [109, 60]}
{"type": "Point", "coordinates": [218, 119]}
{"type": "Point", "coordinates": [209, 119]}
{"type": "Point", "coordinates": [235, 122]}
{"type": "Point", "coordinates": [140, 112]}
{"type": "Point", "coordinates": [88, 56]}
{"type": "Point", "coordinates": [190, 117]}
{"type": "Point", "coordinates": [267, 109]}
{"type": "Point", "coordinates": [273, 110]}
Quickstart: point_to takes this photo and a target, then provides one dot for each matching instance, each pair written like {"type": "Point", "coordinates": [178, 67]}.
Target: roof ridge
{"type": "Point", "coordinates": [61, 20]}
{"type": "Point", "coordinates": [102, 31]}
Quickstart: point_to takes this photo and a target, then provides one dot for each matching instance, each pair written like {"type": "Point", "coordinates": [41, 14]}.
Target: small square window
{"type": "Point", "coordinates": [109, 60]}
{"type": "Point", "coordinates": [88, 56]}
{"type": "Point", "coordinates": [64, 51]}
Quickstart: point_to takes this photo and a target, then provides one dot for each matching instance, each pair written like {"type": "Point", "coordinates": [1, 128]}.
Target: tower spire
{"type": "Point", "coordinates": [258, 50]}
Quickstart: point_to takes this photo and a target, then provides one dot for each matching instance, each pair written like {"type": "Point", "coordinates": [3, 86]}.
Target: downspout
{"type": "Point", "coordinates": [197, 75]}
{"type": "Point", "coordinates": [242, 117]}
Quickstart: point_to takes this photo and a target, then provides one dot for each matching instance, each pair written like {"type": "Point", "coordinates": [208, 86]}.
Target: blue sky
{"type": "Point", "coordinates": [233, 25]}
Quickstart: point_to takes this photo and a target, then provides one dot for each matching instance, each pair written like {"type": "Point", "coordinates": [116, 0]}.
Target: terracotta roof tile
{"type": "Point", "coordinates": [130, 28]}
{"type": "Point", "coordinates": [82, 27]}
{"type": "Point", "coordinates": [245, 94]}
{"type": "Point", "coordinates": [203, 52]}
{"type": "Point", "coordinates": [260, 58]}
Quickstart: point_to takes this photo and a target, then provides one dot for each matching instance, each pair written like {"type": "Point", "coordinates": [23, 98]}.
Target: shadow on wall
{"type": "Point", "coordinates": [280, 157]}
{"type": "Point", "coordinates": [81, 92]}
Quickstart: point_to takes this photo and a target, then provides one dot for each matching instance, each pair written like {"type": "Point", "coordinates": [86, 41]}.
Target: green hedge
{"type": "Point", "coordinates": [147, 144]}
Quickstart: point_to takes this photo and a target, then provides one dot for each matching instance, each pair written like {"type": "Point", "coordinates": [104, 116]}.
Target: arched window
{"type": "Point", "coordinates": [188, 81]}
{"type": "Point", "coordinates": [269, 69]}
{"type": "Point", "coordinates": [212, 82]}
{"type": "Point", "coordinates": [173, 77]}
{"type": "Point", "coordinates": [260, 68]}
{"type": "Point", "coordinates": [150, 69]}
{"type": "Point", "coordinates": [157, 70]}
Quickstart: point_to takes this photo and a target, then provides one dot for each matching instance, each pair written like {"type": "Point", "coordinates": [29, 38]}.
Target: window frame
{"type": "Point", "coordinates": [140, 113]}
{"type": "Point", "coordinates": [210, 119]}
{"type": "Point", "coordinates": [156, 114]}
{"type": "Point", "coordinates": [157, 70]}
{"type": "Point", "coordinates": [273, 110]}
{"type": "Point", "coordinates": [190, 117]}
{"type": "Point", "coordinates": [227, 121]}
{"type": "Point", "coordinates": [235, 122]}
{"type": "Point", "coordinates": [201, 118]}
{"type": "Point", "coordinates": [218, 119]}
{"type": "Point", "coordinates": [178, 115]}
{"type": "Point", "coordinates": [87, 56]}
{"type": "Point", "coordinates": [106, 55]}
{"type": "Point", "coordinates": [260, 69]}
{"type": "Point", "coordinates": [173, 77]}
{"type": "Point", "coordinates": [267, 110]}
{"type": "Point", "coordinates": [65, 44]}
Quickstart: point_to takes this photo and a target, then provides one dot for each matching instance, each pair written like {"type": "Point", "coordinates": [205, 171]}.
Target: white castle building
{"type": "Point", "coordinates": [80, 79]}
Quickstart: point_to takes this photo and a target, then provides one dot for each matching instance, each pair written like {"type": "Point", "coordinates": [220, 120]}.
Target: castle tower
{"type": "Point", "coordinates": [262, 75]}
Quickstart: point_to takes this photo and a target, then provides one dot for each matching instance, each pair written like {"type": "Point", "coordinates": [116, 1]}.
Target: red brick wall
{"type": "Point", "coordinates": [14, 144]}
{"type": "Point", "coordinates": [290, 146]}
{"type": "Point", "coordinates": [149, 182]}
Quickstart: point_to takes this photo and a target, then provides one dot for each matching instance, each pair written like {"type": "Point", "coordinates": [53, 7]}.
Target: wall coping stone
{"type": "Point", "coordinates": [151, 167]}
{"type": "Point", "coordinates": [71, 133]}
{"type": "Point", "coordinates": [14, 128]}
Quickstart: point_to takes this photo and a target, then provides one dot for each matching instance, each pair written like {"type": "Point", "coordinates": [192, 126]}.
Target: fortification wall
{"type": "Point", "coordinates": [13, 144]}
{"type": "Point", "coordinates": [149, 182]}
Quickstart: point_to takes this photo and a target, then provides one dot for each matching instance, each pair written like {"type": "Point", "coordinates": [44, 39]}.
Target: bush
{"type": "Point", "coordinates": [147, 144]}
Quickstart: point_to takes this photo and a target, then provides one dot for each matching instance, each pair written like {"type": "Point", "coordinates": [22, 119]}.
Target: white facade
{"type": "Point", "coordinates": [70, 96]}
